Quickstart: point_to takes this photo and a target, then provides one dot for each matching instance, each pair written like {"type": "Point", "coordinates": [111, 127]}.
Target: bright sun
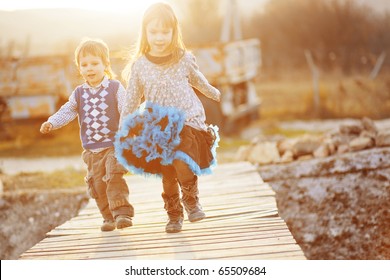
{"type": "Point", "coordinates": [111, 6]}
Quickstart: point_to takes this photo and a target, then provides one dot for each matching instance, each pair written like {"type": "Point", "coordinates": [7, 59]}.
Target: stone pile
{"type": "Point", "coordinates": [347, 138]}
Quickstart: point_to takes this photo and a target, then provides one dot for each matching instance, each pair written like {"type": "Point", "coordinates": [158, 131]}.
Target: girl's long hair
{"type": "Point", "coordinates": [165, 14]}
{"type": "Point", "coordinates": [95, 47]}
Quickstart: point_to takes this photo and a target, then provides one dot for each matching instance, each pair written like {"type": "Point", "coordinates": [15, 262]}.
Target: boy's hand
{"type": "Point", "coordinates": [46, 127]}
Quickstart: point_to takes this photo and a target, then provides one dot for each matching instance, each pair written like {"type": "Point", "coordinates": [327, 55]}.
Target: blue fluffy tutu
{"type": "Point", "coordinates": [155, 135]}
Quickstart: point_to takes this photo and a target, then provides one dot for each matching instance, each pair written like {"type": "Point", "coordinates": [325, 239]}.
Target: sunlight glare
{"type": "Point", "coordinates": [119, 6]}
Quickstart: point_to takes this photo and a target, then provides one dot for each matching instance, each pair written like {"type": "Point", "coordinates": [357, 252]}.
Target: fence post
{"type": "Point", "coordinates": [315, 76]}
{"type": "Point", "coordinates": [378, 65]}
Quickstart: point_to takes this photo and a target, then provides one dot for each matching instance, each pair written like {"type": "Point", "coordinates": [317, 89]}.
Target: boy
{"type": "Point", "coordinates": [98, 103]}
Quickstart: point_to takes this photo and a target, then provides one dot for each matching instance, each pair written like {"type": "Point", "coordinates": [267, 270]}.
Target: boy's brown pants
{"type": "Point", "coordinates": [106, 184]}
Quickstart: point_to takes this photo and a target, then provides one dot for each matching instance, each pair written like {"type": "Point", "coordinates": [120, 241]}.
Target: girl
{"type": "Point", "coordinates": [167, 135]}
{"type": "Point", "coordinates": [98, 103]}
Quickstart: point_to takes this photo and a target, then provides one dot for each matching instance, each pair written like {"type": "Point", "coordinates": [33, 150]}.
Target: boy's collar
{"type": "Point", "coordinates": [103, 83]}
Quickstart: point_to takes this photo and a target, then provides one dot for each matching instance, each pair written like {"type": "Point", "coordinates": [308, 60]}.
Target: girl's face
{"type": "Point", "coordinates": [91, 68]}
{"type": "Point", "coordinates": [159, 38]}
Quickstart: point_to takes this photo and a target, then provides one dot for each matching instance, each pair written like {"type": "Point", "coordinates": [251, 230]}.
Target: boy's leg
{"type": "Point", "coordinates": [171, 197]}
{"type": "Point", "coordinates": [97, 187]}
{"type": "Point", "coordinates": [117, 191]}
{"type": "Point", "coordinates": [189, 187]}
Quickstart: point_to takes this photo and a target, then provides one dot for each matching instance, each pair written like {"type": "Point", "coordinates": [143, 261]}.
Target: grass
{"type": "Point", "coordinates": [339, 97]}
{"type": "Point", "coordinates": [59, 179]}
{"type": "Point", "coordinates": [28, 142]}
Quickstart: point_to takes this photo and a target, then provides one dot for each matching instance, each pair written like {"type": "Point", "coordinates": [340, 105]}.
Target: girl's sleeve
{"type": "Point", "coordinates": [121, 96]}
{"type": "Point", "coordinates": [66, 114]}
{"type": "Point", "coordinates": [199, 81]}
{"type": "Point", "coordinates": [134, 93]}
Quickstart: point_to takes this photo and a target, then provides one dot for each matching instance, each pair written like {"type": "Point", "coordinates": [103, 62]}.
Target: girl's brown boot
{"type": "Point", "coordinates": [191, 201]}
{"type": "Point", "coordinates": [175, 213]}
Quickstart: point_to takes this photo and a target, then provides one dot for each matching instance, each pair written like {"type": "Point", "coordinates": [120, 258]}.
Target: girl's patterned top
{"type": "Point", "coordinates": [171, 86]}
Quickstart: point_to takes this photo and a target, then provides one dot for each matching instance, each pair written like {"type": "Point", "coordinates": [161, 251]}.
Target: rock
{"type": "Point", "coordinates": [242, 153]}
{"type": "Point", "coordinates": [306, 146]}
{"type": "Point", "coordinates": [264, 153]}
{"type": "Point", "coordinates": [3, 204]}
{"type": "Point", "coordinates": [305, 157]}
{"type": "Point", "coordinates": [351, 129]}
{"type": "Point", "coordinates": [286, 145]}
{"type": "Point", "coordinates": [331, 147]}
{"type": "Point", "coordinates": [343, 148]}
{"type": "Point", "coordinates": [322, 151]}
{"type": "Point", "coordinates": [369, 125]}
{"type": "Point", "coordinates": [351, 137]}
{"type": "Point", "coordinates": [288, 156]}
{"type": "Point", "coordinates": [336, 164]}
{"type": "Point", "coordinates": [361, 143]}
{"type": "Point", "coordinates": [1, 188]}
{"type": "Point", "coordinates": [341, 139]}
{"type": "Point", "coordinates": [383, 139]}
{"type": "Point", "coordinates": [369, 134]}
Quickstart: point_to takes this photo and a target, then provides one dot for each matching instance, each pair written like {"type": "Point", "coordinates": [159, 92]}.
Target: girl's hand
{"type": "Point", "coordinates": [46, 127]}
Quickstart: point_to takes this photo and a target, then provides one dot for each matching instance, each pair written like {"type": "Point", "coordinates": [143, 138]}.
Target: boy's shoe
{"type": "Point", "coordinates": [123, 221]}
{"type": "Point", "coordinates": [108, 225]}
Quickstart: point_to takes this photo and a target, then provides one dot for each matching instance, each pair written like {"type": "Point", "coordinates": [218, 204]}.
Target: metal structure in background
{"type": "Point", "coordinates": [231, 65]}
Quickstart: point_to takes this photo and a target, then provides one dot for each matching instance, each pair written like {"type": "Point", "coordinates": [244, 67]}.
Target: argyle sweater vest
{"type": "Point", "coordinates": [98, 115]}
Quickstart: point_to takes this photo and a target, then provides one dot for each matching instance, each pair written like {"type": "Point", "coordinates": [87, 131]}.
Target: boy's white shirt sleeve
{"type": "Point", "coordinates": [66, 114]}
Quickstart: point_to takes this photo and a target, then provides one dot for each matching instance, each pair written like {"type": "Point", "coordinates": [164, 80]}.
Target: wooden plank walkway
{"type": "Point", "coordinates": [242, 223]}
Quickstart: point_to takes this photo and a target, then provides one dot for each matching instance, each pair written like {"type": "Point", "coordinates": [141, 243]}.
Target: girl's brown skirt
{"type": "Point", "coordinates": [155, 136]}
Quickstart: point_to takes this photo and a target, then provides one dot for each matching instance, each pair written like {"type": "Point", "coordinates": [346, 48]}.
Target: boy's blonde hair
{"type": "Point", "coordinates": [95, 47]}
{"type": "Point", "coordinates": [165, 14]}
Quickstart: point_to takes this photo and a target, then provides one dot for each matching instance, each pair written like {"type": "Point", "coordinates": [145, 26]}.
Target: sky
{"type": "Point", "coordinates": [112, 5]}
{"type": "Point", "coordinates": [42, 31]}
{"type": "Point", "coordinates": [139, 6]}
{"type": "Point", "coordinates": [45, 31]}
{"type": "Point", "coordinates": [101, 5]}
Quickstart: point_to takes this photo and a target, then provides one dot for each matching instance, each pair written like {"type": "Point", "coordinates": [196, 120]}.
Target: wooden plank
{"type": "Point", "coordinates": [150, 242]}
{"type": "Point", "coordinates": [199, 250]}
{"type": "Point", "coordinates": [242, 223]}
{"type": "Point", "coordinates": [153, 234]}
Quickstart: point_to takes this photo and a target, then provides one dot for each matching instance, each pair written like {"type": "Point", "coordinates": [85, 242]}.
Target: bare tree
{"type": "Point", "coordinates": [338, 33]}
{"type": "Point", "coordinates": [202, 22]}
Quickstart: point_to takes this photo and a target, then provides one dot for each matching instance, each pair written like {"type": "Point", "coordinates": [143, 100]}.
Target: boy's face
{"type": "Point", "coordinates": [91, 68]}
{"type": "Point", "coordinates": [159, 38]}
